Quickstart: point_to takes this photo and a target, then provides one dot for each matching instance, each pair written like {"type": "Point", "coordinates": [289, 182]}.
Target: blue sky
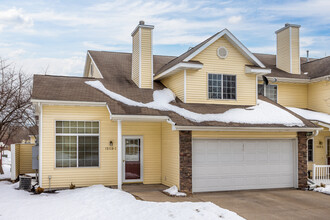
{"type": "Point", "coordinates": [53, 36]}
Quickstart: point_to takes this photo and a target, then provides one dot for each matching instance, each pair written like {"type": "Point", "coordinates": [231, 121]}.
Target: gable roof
{"type": "Point", "coordinates": [191, 53]}
{"type": "Point", "coordinates": [317, 68]}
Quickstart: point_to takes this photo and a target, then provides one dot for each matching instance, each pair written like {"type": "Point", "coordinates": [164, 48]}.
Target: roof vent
{"type": "Point", "coordinates": [141, 23]}
{"type": "Point", "coordinates": [222, 52]}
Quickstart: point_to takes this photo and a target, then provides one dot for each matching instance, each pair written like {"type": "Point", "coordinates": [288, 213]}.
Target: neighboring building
{"type": "Point", "coordinates": [114, 125]}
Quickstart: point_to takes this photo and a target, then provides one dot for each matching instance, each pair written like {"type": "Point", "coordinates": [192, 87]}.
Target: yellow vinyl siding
{"type": "Point", "coordinates": [320, 149]}
{"type": "Point", "coordinates": [170, 156]}
{"type": "Point", "coordinates": [243, 134]}
{"type": "Point", "coordinates": [136, 58]}
{"type": "Point", "coordinates": [146, 58]}
{"type": "Point", "coordinates": [106, 173]}
{"type": "Point", "coordinates": [319, 96]}
{"type": "Point", "coordinates": [292, 94]}
{"type": "Point", "coordinates": [234, 64]}
{"type": "Point", "coordinates": [295, 50]}
{"type": "Point", "coordinates": [151, 133]}
{"type": "Point", "coordinates": [96, 73]}
{"type": "Point", "coordinates": [176, 84]}
{"type": "Point", "coordinates": [283, 50]}
{"type": "Point", "coordinates": [17, 159]}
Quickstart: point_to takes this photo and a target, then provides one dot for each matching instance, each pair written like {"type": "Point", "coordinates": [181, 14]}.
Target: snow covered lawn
{"type": "Point", "coordinates": [99, 202]}
{"type": "Point", "coordinates": [6, 163]}
{"type": "Point", "coordinates": [325, 189]}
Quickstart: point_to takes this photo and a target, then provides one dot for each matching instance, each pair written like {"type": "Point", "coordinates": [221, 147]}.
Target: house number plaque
{"type": "Point", "coordinates": [110, 148]}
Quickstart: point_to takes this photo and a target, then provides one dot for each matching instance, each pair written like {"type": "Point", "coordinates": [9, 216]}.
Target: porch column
{"type": "Point", "coordinates": [120, 159]}
{"type": "Point", "coordinates": [185, 141]}
{"type": "Point", "coordinates": [302, 160]}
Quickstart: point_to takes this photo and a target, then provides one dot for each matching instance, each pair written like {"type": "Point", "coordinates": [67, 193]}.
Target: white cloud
{"type": "Point", "coordinates": [234, 19]}
{"type": "Point", "coordinates": [14, 19]}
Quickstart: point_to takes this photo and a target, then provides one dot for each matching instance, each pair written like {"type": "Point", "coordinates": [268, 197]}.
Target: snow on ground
{"type": "Point", "coordinates": [99, 202]}
{"type": "Point", "coordinates": [311, 115]}
{"type": "Point", "coordinates": [6, 164]}
{"type": "Point", "coordinates": [173, 191]}
{"type": "Point", "coordinates": [325, 189]}
{"type": "Point", "coordinates": [262, 113]}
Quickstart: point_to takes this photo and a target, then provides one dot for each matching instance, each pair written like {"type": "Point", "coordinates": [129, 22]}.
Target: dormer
{"type": "Point", "coordinates": [142, 57]}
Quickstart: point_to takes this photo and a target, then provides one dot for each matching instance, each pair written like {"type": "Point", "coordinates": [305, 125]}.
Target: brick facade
{"type": "Point", "coordinates": [185, 141]}
{"type": "Point", "coordinates": [302, 160]}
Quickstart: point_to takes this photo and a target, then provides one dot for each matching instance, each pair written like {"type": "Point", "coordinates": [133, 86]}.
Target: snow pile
{"type": "Point", "coordinates": [262, 113]}
{"type": "Point", "coordinates": [99, 202]}
{"type": "Point", "coordinates": [311, 115]}
{"type": "Point", "coordinates": [173, 191]}
{"type": "Point", "coordinates": [325, 189]}
{"type": "Point", "coordinates": [6, 164]}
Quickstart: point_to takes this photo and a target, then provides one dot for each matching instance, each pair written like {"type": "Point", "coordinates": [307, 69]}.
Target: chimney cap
{"type": "Point", "coordinates": [287, 25]}
{"type": "Point", "coordinates": [141, 25]}
{"type": "Point", "coordinates": [141, 22]}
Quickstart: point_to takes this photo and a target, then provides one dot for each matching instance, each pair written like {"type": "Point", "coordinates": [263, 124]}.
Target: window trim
{"type": "Point", "coordinates": [266, 89]}
{"type": "Point", "coordinates": [222, 74]}
{"type": "Point", "coordinates": [77, 135]}
{"type": "Point", "coordinates": [312, 150]}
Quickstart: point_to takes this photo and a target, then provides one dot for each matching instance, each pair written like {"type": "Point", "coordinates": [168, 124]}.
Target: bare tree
{"type": "Point", "coordinates": [15, 105]}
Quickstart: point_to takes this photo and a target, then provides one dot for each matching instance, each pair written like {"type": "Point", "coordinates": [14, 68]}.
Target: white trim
{"type": "Point", "coordinates": [296, 163]}
{"type": "Point", "coordinates": [185, 86]}
{"type": "Point", "coordinates": [119, 154]}
{"type": "Point", "coordinates": [40, 145]}
{"type": "Point", "coordinates": [257, 71]}
{"type": "Point", "coordinates": [257, 90]}
{"type": "Point", "coordinates": [318, 79]}
{"type": "Point", "coordinates": [152, 60]}
{"type": "Point", "coordinates": [61, 102]}
{"type": "Point", "coordinates": [290, 46]}
{"type": "Point", "coordinates": [295, 80]}
{"type": "Point", "coordinates": [141, 158]}
{"type": "Point", "coordinates": [140, 68]}
{"type": "Point", "coordinates": [141, 26]}
{"type": "Point", "coordinates": [178, 67]}
{"type": "Point", "coordinates": [262, 129]}
{"type": "Point", "coordinates": [139, 117]}
{"type": "Point", "coordinates": [299, 51]}
{"type": "Point", "coordinates": [236, 44]}
{"type": "Point", "coordinates": [321, 124]}
{"type": "Point", "coordinates": [276, 51]}
{"type": "Point", "coordinates": [95, 64]}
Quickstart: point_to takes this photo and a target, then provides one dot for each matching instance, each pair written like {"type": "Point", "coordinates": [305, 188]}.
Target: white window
{"type": "Point", "coordinates": [221, 86]}
{"type": "Point", "coordinates": [77, 143]}
{"type": "Point", "coordinates": [270, 91]}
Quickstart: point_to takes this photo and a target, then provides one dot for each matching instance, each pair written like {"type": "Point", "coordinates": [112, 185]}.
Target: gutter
{"type": "Point", "coordinates": [62, 102]}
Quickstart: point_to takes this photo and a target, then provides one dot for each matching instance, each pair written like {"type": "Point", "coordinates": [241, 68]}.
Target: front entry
{"type": "Point", "coordinates": [133, 159]}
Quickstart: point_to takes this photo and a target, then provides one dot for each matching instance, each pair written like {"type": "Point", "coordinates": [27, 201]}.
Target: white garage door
{"type": "Point", "coordinates": [220, 165]}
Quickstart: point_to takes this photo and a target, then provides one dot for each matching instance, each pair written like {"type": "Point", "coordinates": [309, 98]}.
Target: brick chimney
{"type": "Point", "coordinates": [287, 51]}
{"type": "Point", "coordinates": [142, 57]}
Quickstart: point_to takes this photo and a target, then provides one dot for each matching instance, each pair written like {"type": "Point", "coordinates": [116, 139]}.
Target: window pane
{"type": "Point", "coordinates": [66, 149]}
{"type": "Point", "coordinates": [88, 151]}
{"type": "Point", "coordinates": [271, 92]}
{"type": "Point", "coordinates": [214, 86]}
{"type": "Point", "coordinates": [260, 89]}
{"type": "Point", "coordinates": [229, 87]}
{"type": "Point", "coordinates": [310, 149]}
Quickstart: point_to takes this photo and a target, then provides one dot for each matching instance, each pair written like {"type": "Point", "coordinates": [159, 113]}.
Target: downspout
{"type": "Point", "coordinates": [315, 133]}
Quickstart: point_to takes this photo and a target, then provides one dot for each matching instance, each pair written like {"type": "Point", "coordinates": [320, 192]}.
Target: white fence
{"type": "Point", "coordinates": [321, 174]}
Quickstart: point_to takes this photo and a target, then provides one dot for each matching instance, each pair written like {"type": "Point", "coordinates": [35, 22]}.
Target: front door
{"type": "Point", "coordinates": [328, 150]}
{"type": "Point", "coordinates": [133, 151]}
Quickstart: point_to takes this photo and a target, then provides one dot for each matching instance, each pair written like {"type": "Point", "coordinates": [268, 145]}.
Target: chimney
{"type": "Point", "coordinates": [307, 57]}
{"type": "Point", "coordinates": [142, 57]}
{"type": "Point", "coordinates": [287, 48]}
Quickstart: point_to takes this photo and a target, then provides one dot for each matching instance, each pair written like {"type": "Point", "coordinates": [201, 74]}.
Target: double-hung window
{"type": "Point", "coordinates": [77, 143]}
{"type": "Point", "coordinates": [270, 91]}
{"type": "Point", "coordinates": [221, 86]}
{"type": "Point", "coordinates": [310, 147]}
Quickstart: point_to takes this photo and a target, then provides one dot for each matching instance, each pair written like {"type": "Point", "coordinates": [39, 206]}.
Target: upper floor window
{"type": "Point", "coordinates": [270, 91]}
{"type": "Point", "coordinates": [221, 86]}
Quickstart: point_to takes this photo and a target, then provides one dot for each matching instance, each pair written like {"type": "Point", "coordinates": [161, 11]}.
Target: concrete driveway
{"type": "Point", "coordinates": [252, 204]}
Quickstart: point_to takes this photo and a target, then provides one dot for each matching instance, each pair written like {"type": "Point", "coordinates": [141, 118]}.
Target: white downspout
{"type": "Point", "coordinates": [315, 133]}
{"type": "Point", "coordinates": [120, 159]}
{"type": "Point", "coordinates": [40, 145]}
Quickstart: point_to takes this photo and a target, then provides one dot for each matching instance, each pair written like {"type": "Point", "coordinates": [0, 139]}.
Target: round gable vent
{"type": "Point", "coordinates": [222, 52]}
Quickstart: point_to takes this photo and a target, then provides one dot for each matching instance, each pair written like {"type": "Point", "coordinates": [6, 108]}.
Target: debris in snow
{"type": "Point", "coordinates": [99, 202]}
{"type": "Point", "coordinates": [262, 113]}
{"type": "Point", "coordinates": [173, 191]}
{"type": "Point", "coordinates": [325, 189]}
{"type": "Point", "coordinates": [311, 115]}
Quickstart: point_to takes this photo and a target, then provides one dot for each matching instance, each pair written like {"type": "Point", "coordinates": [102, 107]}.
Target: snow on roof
{"type": "Point", "coordinates": [262, 113]}
{"type": "Point", "coordinates": [311, 115]}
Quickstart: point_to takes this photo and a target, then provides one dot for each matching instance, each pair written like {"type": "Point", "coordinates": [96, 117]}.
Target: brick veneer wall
{"type": "Point", "coordinates": [302, 160]}
{"type": "Point", "coordinates": [185, 141]}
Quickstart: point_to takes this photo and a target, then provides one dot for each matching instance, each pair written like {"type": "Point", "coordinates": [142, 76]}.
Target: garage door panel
{"type": "Point", "coordinates": [242, 164]}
